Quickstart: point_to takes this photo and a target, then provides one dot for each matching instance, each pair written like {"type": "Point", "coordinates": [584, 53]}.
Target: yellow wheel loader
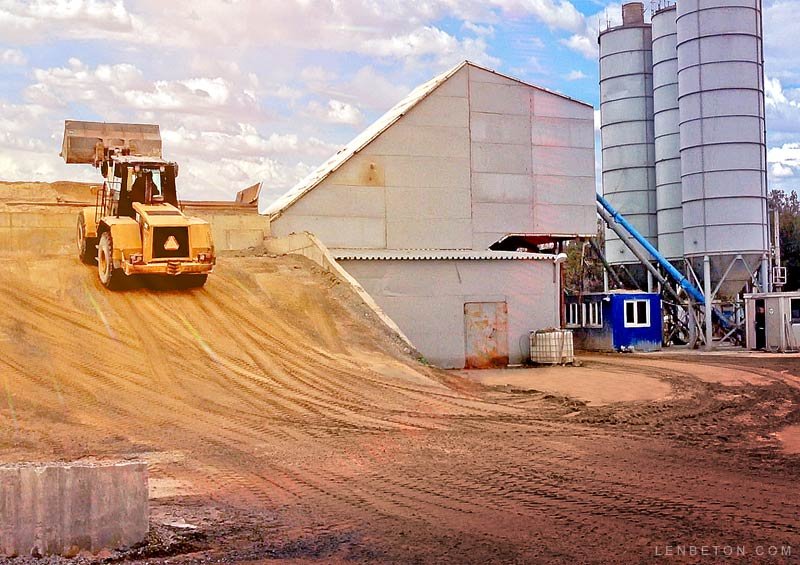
{"type": "Point", "coordinates": [136, 226]}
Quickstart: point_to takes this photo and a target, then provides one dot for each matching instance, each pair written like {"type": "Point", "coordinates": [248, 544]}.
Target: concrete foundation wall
{"type": "Point", "coordinates": [66, 508]}
{"type": "Point", "coordinates": [233, 230]}
{"type": "Point", "coordinates": [51, 229]}
{"type": "Point", "coordinates": [426, 299]}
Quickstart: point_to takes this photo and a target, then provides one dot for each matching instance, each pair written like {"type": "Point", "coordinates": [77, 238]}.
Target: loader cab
{"type": "Point", "coordinates": [146, 183]}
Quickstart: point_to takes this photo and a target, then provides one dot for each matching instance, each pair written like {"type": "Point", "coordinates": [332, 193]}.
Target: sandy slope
{"type": "Point", "coordinates": [280, 419]}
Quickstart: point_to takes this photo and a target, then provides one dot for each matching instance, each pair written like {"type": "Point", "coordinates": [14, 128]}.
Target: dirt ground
{"type": "Point", "coordinates": [281, 423]}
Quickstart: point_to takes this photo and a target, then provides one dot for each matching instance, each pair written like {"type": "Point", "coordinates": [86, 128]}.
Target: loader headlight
{"type": "Point", "coordinates": [204, 257]}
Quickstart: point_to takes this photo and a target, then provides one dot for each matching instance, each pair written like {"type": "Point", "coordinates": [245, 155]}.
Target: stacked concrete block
{"type": "Point", "coordinates": [65, 508]}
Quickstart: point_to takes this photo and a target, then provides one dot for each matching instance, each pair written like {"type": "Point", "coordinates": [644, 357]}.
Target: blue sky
{"type": "Point", "coordinates": [249, 90]}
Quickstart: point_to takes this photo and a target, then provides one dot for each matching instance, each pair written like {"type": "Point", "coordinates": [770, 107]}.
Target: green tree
{"type": "Point", "coordinates": [788, 206]}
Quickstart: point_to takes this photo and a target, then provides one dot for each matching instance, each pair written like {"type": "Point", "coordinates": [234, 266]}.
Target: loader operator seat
{"type": "Point", "coordinates": [138, 190]}
{"type": "Point", "coordinates": [142, 191]}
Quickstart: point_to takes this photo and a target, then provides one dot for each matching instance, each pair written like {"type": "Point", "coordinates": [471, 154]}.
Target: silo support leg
{"type": "Point", "coordinates": [708, 300]}
{"type": "Point", "coordinates": [764, 282]}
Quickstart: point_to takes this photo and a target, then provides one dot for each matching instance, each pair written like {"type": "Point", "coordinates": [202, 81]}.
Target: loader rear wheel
{"type": "Point", "coordinates": [87, 247]}
{"type": "Point", "coordinates": [192, 281]}
{"type": "Point", "coordinates": [109, 276]}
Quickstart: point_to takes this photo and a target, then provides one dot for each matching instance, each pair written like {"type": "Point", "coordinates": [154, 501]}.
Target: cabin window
{"type": "Point", "coordinates": [637, 313]}
{"type": "Point", "coordinates": [593, 315]}
{"type": "Point", "coordinates": [573, 315]}
{"type": "Point", "coordinates": [795, 307]}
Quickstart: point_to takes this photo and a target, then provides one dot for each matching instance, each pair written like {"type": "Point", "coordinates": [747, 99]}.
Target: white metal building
{"type": "Point", "coordinates": [412, 206]}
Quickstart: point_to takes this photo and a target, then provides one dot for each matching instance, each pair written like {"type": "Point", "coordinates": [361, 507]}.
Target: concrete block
{"type": "Point", "coordinates": [497, 158]}
{"type": "Point", "coordinates": [340, 200]}
{"type": "Point", "coordinates": [508, 218]}
{"type": "Point", "coordinates": [336, 232]}
{"type": "Point", "coordinates": [408, 139]}
{"type": "Point", "coordinates": [47, 240]}
{"type": "Point", "coordinates": [359, 170]}
{"type": "Point", "coordinates": [448, 111]}
{"type": "Point", "coordinates": [500, 187]}
{"type": "Point", "coordinates": [241, 239]}
{"type": "Point", "coordinates": [563, 219]}
{"type": "Point", "coordinates": [64, 508]}
{"type": "Point", "coordinates": [547, 104]}
{"type": "Point", "coordinates": [51, 218]}
{"type": "Point", "coordinates": [500, 98]}
{"type": "Point", "coordinates": [573, 161]}
{"type": "Point", "coordinates": [427, 234]}
{"type": "Point", "coordinates": [482, 241]}
{"type": "Point", "coordinates": [564, 190]}
{"type": "Point", "coordinates": [562, 132]}
{"type": "Point", "coordinates": [420, 203]}
{"type": "Point", "coordinates": [499, 128]}
{"type": "Point", "coordinates": [456, 85]}
{"type": "Point", "coordinates": [427, 172]}
{"type": "Point", "coordinates": [481, 75]}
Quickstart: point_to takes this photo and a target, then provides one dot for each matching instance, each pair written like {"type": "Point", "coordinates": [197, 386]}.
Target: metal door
{"type": "Point", "coordinates": [486, 334]}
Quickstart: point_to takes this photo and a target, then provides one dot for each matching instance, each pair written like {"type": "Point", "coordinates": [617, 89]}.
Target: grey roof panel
{"type": "Point", "coordinates": [436, 255]}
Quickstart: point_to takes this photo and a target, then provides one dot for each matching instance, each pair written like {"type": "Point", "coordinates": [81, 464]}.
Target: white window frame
{"type": "Point", "coordinates": [793, 320]}
{"type": "Point", "coordinates": [593, 314]}
{"type": "Point", "coordinates": [636, 323]}
{"type": "Point", "coordinates": [572, 316]}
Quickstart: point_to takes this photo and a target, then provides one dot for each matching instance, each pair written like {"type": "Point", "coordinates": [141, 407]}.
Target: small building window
{"type": "Point", "coordinates": [573, 315]}
{"type": "Point", "coordinates": [593, 315]}
{"type": "Point", "coordinates": [795, 307]}
{"type": "Point", "coordinates": [637, 313]}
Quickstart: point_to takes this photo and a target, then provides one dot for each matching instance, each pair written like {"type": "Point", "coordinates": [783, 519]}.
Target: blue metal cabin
{"type": "Point", "coordinates": [615, 321]}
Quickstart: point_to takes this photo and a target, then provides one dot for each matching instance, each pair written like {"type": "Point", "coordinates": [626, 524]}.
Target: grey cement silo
{"type": "Point", "coordinates": [626, 127]}
{"type": "Point", "coordinates": [722, 134]}
{"type": "Point", "coordinates": [666, 123]}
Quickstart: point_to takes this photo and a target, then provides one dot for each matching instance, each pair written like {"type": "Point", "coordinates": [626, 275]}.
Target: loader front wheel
{"type": "Point", "coordinates": [109, 276]}
{"type": "Point", "coordinates": [87, 247]}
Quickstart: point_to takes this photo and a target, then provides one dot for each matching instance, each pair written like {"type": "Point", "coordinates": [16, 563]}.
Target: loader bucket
{"type": "Point", "coordinates": [84, 142]}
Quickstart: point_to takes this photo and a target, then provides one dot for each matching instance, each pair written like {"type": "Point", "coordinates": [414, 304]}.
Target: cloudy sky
{"type": "Point", "coordinates": [250, 90]}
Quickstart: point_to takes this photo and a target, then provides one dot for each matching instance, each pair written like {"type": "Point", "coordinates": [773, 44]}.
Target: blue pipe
{"type": "Point", "coordinates": [676, 275]}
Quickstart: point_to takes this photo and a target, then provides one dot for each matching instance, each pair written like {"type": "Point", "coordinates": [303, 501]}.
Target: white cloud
{"type": "Point", "coordinates": [480, 30]}
{"type": "Point", "coordinates": [576, 75]}
{"type": "Point", "coordinates": [336, 112]}
{"type": "Point", "coordinates": [317, 74]}
{"type": "Point", "coordinates": [780, 170]}
{"type": "Point", "coordinates": [373, 90]}
{"type": "Point", "coordinates": [35, 21]}
{"type": "Point", "coordinates": [582, 44]}
{"type": "Point", "coordinates": [432, 43]}
{"type": "Point", "coordinates": [584, 40]}
{"type": "Point", "coordinates": [780, 39]}
{"type": "Point", "coordinates": [12, 57]}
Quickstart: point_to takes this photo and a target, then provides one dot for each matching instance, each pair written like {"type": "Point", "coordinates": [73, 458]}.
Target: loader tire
{"type": "Point", "coordinates": [110, 277]}
{"type": "Point", "coordinates": [191, 281]}
{"type": "Point", "coordinates": [87, 247]}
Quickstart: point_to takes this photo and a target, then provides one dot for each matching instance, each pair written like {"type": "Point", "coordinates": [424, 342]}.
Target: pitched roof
{"type": "Point", "coordinates": [377, 128]}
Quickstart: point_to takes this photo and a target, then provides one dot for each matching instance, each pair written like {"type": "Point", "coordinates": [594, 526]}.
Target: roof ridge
{"type": "Point", "coordinates": [378, 127]}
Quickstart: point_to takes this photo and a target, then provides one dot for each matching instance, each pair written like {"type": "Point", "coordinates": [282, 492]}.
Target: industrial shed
{"type": "Point", "coordinates": [417, 207]}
